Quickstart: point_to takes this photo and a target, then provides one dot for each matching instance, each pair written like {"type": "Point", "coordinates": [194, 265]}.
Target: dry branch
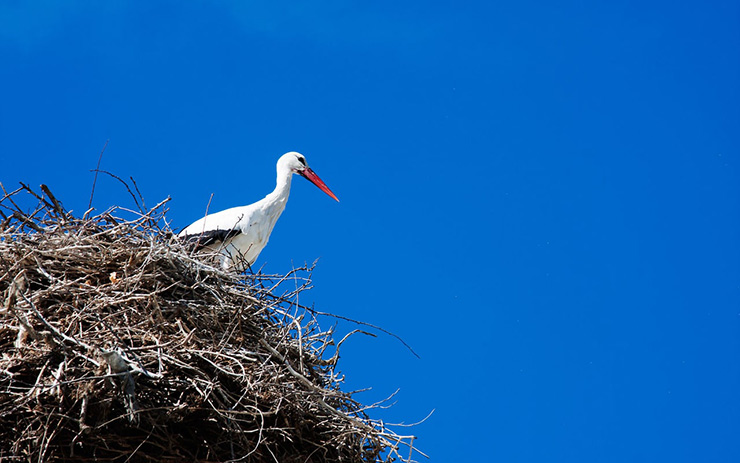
{"type": "Point", "coordinates": [117, 344]}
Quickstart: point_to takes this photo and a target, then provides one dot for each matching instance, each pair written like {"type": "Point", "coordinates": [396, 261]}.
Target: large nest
{"type": "Point", "coordinates": [119, 344]}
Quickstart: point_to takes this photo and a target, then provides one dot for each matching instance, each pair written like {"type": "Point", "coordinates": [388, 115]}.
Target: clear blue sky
{"type": "Point", "coordinates": [542, 199]}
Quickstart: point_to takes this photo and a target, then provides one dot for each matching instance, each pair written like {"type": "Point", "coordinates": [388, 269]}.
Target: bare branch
{"type": "Point", "coordinates": [97, 169]}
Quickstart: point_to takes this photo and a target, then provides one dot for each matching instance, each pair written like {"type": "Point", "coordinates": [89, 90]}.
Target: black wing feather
{"type": "Point", "coordinates": [210, 237]}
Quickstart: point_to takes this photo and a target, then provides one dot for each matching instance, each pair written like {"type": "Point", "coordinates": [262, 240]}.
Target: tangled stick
{"type": "Point", "coordinates": [118, 344]}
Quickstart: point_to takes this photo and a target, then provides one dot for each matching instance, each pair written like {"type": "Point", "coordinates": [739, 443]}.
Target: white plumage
{"type": "Point", "coordinates": [239, 234]}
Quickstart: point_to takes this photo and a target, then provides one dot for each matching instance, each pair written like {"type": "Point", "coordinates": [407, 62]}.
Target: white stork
{"type": "Point", "coordinates": [239, 234]}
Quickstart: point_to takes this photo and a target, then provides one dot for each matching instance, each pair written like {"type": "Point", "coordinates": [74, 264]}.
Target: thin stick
{"type": "Point", "coordinates": [136, 201]}
{"type": "Point", "coordinates": [57, 205]}
{"type": "Point", "coordinates": [97, 168]}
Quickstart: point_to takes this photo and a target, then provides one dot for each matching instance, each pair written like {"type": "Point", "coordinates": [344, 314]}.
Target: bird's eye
{"type": "Point", "coordinates": [302, 160]}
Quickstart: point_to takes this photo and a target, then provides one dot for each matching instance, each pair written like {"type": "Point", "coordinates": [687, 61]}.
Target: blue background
{"type": "Point", "coordinates": [542, 199]}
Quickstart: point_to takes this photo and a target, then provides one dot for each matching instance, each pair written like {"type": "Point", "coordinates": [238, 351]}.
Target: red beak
{"type": "Point", "coordinates": [313, 178]}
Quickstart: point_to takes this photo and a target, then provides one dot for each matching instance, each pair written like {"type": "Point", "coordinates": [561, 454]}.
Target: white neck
{"type": "Point", "coordinates": [282, 188]}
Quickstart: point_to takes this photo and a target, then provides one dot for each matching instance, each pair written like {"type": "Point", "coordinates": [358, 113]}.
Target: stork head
{"type": "Point", "coordinates": [296, 163]}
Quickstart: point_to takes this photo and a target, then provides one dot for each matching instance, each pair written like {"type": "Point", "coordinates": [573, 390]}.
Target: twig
{"type": "Point", "coordinates": [131, 193]}
{"type": "Point", "coordinates": [57, 205]}
{"type": "Point", "coordinates": [97, 169]}
{"type": "Point", "coordinates": [358, 322]}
